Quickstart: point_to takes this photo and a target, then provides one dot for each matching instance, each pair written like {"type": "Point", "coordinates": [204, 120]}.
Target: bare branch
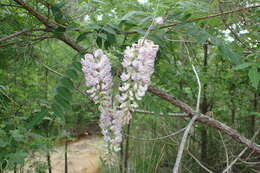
{"type": "Point", "coordinates": [158, 138]}
{"type": "Point", "coordinates": [226, 151]}
{"type": "Point", "coordinates": [197, 160]}
{"type": "Point", "coordinates": [175, 114]}
{"type": "Point", "coordinates": [183, 142]}
{"type": "Point", "coordinates": [240, 154]}
{"type": "Point", "coordinates": [207, 120]}
{"type": "Point", "coordinates": [24, 41]}
{"type": "Point", "coordinates": [21, 33]}
{"type": "Point", "coordinates": [51, 25]}
{"type": "Point", "coordinates": [212, 16]}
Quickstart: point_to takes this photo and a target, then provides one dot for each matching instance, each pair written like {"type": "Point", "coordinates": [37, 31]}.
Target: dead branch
{"type": "Point", "coordinates": [207, 120]}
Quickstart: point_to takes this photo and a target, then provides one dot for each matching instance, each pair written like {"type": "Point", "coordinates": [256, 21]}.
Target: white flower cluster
{"type": "Point", "coordinates": [138, 66]}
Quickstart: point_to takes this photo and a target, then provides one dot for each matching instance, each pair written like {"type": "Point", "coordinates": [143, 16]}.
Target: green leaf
{"type": "Point", "coordinates": [17, 135]}
{"type": "Point", "coordinates": [72, 74]}
{"type": "Point", "coordinates": [62, 102]}
{"type": "Point", "coordinates": [242, 66]}
{"type": "Point", "coordinates": [17, 157]}
{"type": "Point", "coordinates": [227, 52]}
{"type": "Point", "coordinates": [254, 77]}
{"type": "Point", "coordinates": [77, 66]}
{"type": "Point", "coordinates": [38, 117]}
{"type": "Point", "coordinates": [255, 113]}
{"type": "Point", "coordinates": [109, 30]}
{"type": "Point", "coordinates": [56, 108]}
{"type": "Point", "coordinates": [66, 82]}
{"type": "Point", "coordinates": [99, 42]}
{"type": "Point", "coordinates": [64, 93]}
{"type": "Point", "coordinates": [82, 37]}
{"type": "Point", "coordinates": [129, 15]}
{"type": "Point", "coordinates": [56, 10]}
{"type": "Point", "coordinates": [95, 27]}
{"type": "Point", "coordinates": [3, 142]}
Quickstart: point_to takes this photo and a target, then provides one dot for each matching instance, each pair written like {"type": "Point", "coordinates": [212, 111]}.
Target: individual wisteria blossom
{"type": "Point", "coordinates": [97, 71]}
{"type": "Point", "coordinates": [159, 20]}
{"type": "Point", "coordinates": [138, 66]}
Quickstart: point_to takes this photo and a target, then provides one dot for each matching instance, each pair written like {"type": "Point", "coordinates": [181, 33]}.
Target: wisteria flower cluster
{"type": "Point", "coordinates": [138, 66]}
{"type": "Point", "coordinates": [97, 71]}
{"type": "Point", "coordinates": [138, 63]}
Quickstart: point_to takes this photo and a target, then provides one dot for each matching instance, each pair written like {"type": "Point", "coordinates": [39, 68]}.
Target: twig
{"type": "Point", "coordinates": [198, 80]}
{"type": "Point", "coordinates": [240, 154]}
{"type": "Point", "coordinates": [176, 114]}
{"type": "Point", "coordinates": [158, 138]}
{"type": "Point", "coordinates": [51, 26]}
{"type": "Point", "coordinates": [212, 16]}
{"type": "Point", "coordinates": [21, 33]}
{"type": "Point", "coordinates": [226, 151]}
{"type": "Point", "coordinates": [182, 145]}
{"type": "Point", "coordinates": [202, 18]}
{"type": "Point", "coordinates": [24, 41]}
{"type": "Point", "coordinates": [185, 136]}
{"type": "Point", "coordinates": [204, 167]}
{"type": "Point", "coordinates": [59, 74]}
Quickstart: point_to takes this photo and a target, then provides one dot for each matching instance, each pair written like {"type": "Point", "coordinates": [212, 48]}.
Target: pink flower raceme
{"type": "Point", "coordinates": [97, 71]}
{"type": "Point", "coordinates": [138, 66]}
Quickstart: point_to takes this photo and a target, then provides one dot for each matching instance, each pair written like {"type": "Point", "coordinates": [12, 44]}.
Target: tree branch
{"type": "Point", "coordinates": [36, 14]}
{"type": "Point", "coordinates": [212, 16]}
{"type": "Point", "coordinates": [51, 26]}
{"type": "Point", "coordinates": [207, 120]}
{"type": "Point", "coordinates": [20, 33]}
{"type": "Point", "coordinates": [24, 41]}
{"type": "Point", "coordinates": [9, 5]}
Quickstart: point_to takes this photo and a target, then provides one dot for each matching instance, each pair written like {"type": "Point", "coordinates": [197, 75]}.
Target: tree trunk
{"type": "Point", "coordinates": [66, 156]}
{"type": "Point", "coordinates": [253, 117]}
{"type": "Point", "coordinates": [204, 110]}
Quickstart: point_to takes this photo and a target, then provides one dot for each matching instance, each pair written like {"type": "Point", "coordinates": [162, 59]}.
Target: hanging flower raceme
{"type": "Point", "coordinates": [138, 66]}
{"type": "Point", "coordinates": [97, 71]}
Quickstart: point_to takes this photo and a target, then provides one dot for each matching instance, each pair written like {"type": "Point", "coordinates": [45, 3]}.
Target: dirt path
{"type": "Point", "coordinates": [83, 156]}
